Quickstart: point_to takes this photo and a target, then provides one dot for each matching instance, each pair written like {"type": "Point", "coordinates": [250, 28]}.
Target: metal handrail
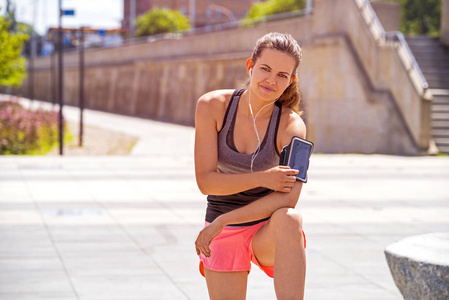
{"type": "Point", "coordinates": [396, 36]}
{"type": "Point", "coordinates": [374, 17]}
{"type": "Point", "coordinates": [226, 25]}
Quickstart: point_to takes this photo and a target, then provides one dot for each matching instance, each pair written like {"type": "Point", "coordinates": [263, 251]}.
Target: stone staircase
{"type": "Point", "coordinates": [433, 59]}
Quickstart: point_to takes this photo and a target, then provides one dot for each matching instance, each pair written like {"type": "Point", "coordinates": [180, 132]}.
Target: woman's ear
{"type": "Point", "coordinates": [249, 65]}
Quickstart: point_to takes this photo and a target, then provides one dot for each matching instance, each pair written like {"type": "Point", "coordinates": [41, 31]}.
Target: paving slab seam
{"type": "Point", "coordinates": [162, 203]}
{"type": "Point", "coordinates": [50, 236]}
{"type": "Point", "coordinates": [355, 272]}
{"type": "Point", "coordinates": [144, 251]}
{"type": "Point", "coordinates": [119, 225]}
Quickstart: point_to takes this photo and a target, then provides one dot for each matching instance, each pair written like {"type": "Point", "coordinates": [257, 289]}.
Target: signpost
{"type": "Point", "coordinates": [62, 12]}
{"type": "Point", "coordinates": [81, 66]}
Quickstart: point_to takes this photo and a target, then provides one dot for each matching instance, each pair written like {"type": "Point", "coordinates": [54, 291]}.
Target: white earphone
{"type": "Point", "coordinates": [256, 152]}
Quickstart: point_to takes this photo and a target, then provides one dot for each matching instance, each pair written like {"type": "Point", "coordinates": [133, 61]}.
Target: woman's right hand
{"type": "Point", "coordinates": [279, 178]}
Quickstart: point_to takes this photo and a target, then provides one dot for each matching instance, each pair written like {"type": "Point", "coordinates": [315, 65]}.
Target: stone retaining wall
{"type": "Point", "coordinates": [358, 94]}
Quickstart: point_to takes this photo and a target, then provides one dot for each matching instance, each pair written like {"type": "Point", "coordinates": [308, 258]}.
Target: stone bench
{"type": "Point", "coordinates": [420, 266]}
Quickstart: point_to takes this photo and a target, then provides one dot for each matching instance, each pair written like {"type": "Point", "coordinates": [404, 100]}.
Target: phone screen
{"type": "Point", "coordinates": [299, 159]}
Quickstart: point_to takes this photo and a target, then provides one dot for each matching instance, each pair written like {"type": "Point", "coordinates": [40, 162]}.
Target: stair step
{"type": "Point", "coordinates": [440, 93]}
{"type": "Point", "coordinates": [440, 133]}
{"type": "Point", "coordinates": [439, 105]}
{"type": "Point", "coordinates": [430, 50]}
{"type": "Point", "coordinates": [444, 141]}
{"type": "Point", "coordinates": [443, 149]}
{"type": "Point", "coordinates": [440, 124]}
{"type": "Point", "coordinates": [437, 116]}
{"type": "Point", "coordinates": [427, 58]}
{"type": "Point", "coordinates": [426, 43]}
{"type": "Point", "coordinates": [438, 84]}
{"type": "Point", "coordinates": [440, 108]}
{"type": "Point", "coordinates": [440, 99]}
{"type": "Point", "coordinates": [434, 70]}
{"type": "Point", "coordinates": [431, 63]}
{"type": "Point", "coordinates": [428, 47]}
{"type": "Point", "coordinates": [422, 39]}
{"type": "Point", "coordinates": [420, 57]}
{"type": "Point", "coordinates": [437, 76]}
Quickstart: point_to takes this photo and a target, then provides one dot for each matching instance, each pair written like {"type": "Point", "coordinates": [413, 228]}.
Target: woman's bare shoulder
{"type": "Point", "coordinates": [217, 97]}
{"type": "Point", "coordinates": [214, 103]}
{"type": "Point", "coordinates": [212, 107]}
{"type": "Point", "coordinates": [291, 124]}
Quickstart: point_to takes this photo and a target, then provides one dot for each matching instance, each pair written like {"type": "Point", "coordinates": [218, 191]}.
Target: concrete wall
{"type": "Point", "coordinates": [358, 95]}
{"type": "Point", "coordinates": [389, 14]}
{"type": "Point", "coordinates": [444, 34]}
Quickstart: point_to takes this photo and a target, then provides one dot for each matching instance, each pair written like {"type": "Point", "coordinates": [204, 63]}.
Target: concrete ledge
{"type": "Point", "coordinates": [420, 266]}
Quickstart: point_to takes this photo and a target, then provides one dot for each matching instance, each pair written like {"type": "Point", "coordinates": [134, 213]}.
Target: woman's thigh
{"type": "Point", "coordinates": [280, 223]}
{"type": "Point", "coordinates": [264, 245]}
{"type": "Point", "coordinates": [226, 285]}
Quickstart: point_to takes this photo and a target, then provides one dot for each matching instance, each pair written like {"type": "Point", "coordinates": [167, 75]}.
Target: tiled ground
{"type": "Point", "coordinates": [91, 228]}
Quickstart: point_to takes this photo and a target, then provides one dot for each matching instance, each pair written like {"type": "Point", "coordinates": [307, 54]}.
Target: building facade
{"type": "Point", "coordinates": [201, 12]}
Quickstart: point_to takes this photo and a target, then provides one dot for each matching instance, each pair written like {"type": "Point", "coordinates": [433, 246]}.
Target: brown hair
{"type": "Point", "coordinates": [285, 43]}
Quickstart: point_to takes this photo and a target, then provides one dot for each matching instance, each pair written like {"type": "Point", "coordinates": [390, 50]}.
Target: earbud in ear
{"type": "Point", "coordinates": [251, 72]}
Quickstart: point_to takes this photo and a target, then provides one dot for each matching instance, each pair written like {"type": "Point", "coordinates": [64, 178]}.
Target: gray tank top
{"type": "Point", "coordinates": [231, 161]}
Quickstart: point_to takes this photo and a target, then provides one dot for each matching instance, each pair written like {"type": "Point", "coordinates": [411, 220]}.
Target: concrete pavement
{"type": "Point", "coordinates": [124, 227]}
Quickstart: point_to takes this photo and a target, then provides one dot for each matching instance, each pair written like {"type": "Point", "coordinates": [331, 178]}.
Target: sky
{"type": "Point", "coordinates": [98, 14]}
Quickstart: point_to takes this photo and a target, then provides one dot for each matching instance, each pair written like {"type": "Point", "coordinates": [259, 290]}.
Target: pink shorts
{"type": "Point", "coordinates": [232, 250]}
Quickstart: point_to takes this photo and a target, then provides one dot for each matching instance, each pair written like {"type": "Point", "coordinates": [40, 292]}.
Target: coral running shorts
{"type": "Point", "coordinates": [232, 250]}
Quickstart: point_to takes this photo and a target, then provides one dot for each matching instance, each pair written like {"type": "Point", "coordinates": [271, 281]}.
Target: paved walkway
{"type": "Point", "coordinates": [123, 228]}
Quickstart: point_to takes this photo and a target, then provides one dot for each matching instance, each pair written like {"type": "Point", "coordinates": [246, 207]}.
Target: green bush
{"type": "Point", "coordinates": [419, 16]}
{"type": "Point", "coordinates": [260, 10]}
{"type": "Point", "coordinates": [12, 64]}
{"type": "Point", "coordinates": [157, 21]}
{"type": "Point", "coordinates": [26, 132]}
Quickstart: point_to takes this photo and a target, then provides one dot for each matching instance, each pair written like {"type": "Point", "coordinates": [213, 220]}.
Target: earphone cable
{"type": "Point", "coordinates": [256, 152]}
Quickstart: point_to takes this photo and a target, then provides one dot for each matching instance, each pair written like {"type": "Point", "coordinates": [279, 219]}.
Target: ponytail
{"type": "Point", "coordinates": [291, 97]}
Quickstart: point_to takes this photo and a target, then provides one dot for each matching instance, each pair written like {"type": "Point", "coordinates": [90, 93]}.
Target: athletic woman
{"type": "Point", "coordinates": [251, 215]}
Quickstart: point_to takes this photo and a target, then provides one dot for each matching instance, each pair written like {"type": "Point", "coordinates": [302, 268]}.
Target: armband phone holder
{"type": "Point", "coordinates": [296, 155]}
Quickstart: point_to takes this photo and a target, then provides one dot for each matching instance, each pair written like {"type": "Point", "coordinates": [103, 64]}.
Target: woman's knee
{"type": "Point", "coordinates": [287, 218]}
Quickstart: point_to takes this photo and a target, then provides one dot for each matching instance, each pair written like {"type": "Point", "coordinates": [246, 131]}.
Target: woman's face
{"type": "Point", "coordinates": [272, 74]}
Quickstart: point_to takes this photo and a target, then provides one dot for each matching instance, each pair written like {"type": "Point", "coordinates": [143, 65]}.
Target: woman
{"type": "Point", "coordinates": [250, 214]}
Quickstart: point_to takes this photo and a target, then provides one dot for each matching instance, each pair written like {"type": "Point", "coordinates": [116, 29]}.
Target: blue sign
{"type": "Point", "coordinates": [68, 12]}
{"type": "Point", "coordinates": [101, 32]}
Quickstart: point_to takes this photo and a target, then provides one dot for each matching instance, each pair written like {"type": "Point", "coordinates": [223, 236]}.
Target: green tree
{"type": "Point", "coordinates": [420, 16]}
{"type": "Point", "coordinates": [12, 64]}
{"type": "Point", "coordinates": [260, 10]}
{"type": "Point", "coordinates": [158, 21]}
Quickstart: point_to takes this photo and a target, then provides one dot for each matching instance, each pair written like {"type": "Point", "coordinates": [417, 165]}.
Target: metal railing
{"type": "Point", "coordinates": [394, 36]}
{"type": "Point", "coordinates": [308, 10]}
{"type": "Point", "coordinates": [224, 26]}
{"type": "Point", "coordinates": [398, 36]}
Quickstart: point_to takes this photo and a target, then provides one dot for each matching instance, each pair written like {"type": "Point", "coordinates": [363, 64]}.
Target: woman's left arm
{"type": "Point", "coordinates": [257, 210]}
{"type": "Point", "coordinates": [291, 125]}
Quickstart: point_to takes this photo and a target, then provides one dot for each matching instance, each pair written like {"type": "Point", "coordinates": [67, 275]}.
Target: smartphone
{"type": "Point", "coordinates": [296, 155]}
